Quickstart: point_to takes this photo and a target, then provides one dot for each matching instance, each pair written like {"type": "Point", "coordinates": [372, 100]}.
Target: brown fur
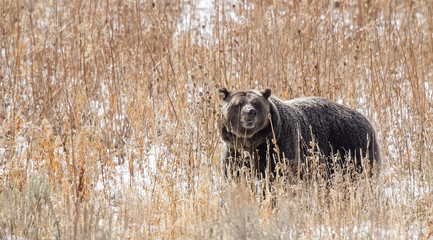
{"type": "Point", "coordinates": [253, 121]}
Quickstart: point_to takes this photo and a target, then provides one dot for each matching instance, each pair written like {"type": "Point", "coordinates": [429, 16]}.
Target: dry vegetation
{"type": "Point", "coordinates": [109, 116]}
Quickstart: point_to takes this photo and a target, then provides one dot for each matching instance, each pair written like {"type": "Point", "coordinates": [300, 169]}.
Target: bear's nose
{"type": "Point", "coordinates": [252, 112]}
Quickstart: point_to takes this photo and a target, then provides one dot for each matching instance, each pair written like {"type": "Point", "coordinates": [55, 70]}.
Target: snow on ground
{"type": "Point", "coordinates": [141, 179]}
{"type": "Point", "coordinates": [13, 237]}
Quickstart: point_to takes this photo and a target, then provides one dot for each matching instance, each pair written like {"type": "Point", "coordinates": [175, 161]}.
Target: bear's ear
{"type": "Point", "coordinates": [266, 93]}
{"type": "Point", "coordinates": [224, 93]}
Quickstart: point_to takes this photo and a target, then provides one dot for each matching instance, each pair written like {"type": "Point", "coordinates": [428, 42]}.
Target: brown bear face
{"type": "Point", "coordinates": [244, 113]}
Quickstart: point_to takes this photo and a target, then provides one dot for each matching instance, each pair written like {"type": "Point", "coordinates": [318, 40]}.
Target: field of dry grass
{"type": "Point", "coordinates": [109, 112]}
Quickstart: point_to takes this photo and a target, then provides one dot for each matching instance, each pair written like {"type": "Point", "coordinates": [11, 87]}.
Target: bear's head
{"type": "Point", "coordinates": [244, 113]}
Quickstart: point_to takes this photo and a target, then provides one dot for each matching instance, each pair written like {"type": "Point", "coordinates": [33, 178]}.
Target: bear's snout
{"type": "Point", "coordinates": [251, 112]}
{"type": "Point", "coordinates": [248, 117]}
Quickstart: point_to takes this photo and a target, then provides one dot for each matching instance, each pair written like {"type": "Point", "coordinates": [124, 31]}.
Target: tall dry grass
{"type": "Point", "coordinates": [109, 116]}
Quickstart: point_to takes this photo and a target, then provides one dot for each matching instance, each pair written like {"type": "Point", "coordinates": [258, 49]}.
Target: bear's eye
{"type": "Point", "coordinates": [255, 104]}
{"type": "Point", "coordinates": [241, 102]}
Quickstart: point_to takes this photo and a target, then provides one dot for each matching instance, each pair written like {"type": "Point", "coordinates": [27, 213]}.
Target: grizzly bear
{"type": "Point", "coordinates": [262, 132]}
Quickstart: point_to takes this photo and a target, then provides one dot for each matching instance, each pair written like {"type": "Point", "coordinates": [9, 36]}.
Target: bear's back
{"type": "Point", "coordinates": [333, 126]}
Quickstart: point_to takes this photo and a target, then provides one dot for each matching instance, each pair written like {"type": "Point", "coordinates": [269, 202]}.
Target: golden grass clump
{"type": "Point", "coordinates": [109, 116]}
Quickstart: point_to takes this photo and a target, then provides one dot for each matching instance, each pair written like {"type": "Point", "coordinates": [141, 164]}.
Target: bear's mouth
{"type": "Point", "coordinates": [248, 124]}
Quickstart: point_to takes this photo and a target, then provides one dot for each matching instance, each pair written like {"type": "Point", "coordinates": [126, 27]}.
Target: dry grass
{"type": "Point", "coordinates": [93, 91]}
